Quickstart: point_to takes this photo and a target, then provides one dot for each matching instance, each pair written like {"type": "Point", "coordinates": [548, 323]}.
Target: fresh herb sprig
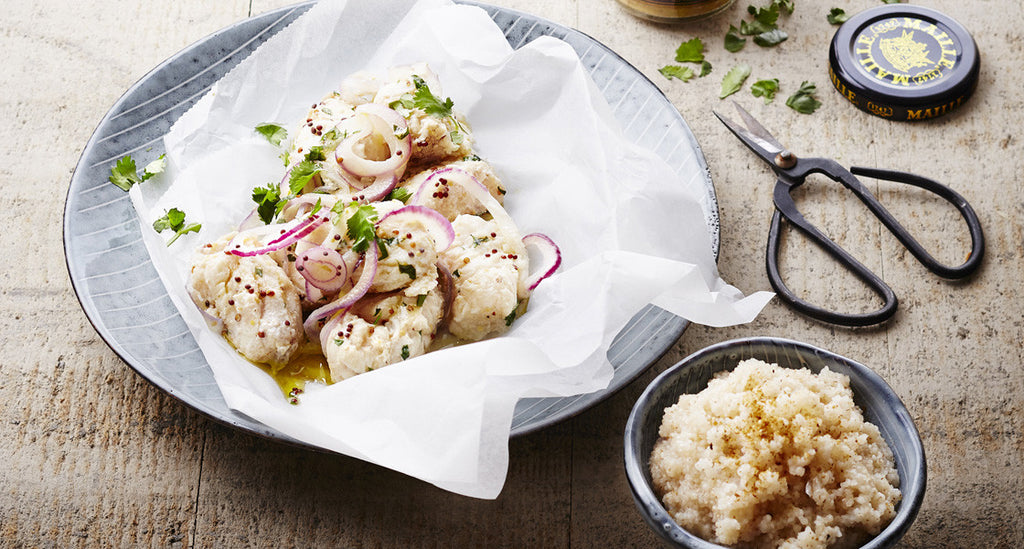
{"type": "Point", "coordinates": [124, 173]}
{"type": "Point", "coordinates": [174, 220]}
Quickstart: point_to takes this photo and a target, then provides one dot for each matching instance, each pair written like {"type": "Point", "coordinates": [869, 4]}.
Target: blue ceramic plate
{"type": "Point", "coordinates": [127, 304]}
{"type": "Point", "coordinates": [881, 406]}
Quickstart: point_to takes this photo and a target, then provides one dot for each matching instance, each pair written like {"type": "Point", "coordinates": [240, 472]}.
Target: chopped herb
{"type": "Point", "coordinates": [327, 111]}
{"type": "Point", "coordinates": [273, 133]}
{"type": "Point", "coordinates": [399, 193]}
{"type": "Point", "coordinates": [705, 69]}
{"type": "Point", "coordinates": [267, 201]}
{"type": "Point", "coordinates": [401, 133]}
{"type": "Point", "coordinates": [510, 318]}
{"type": "Point", "coordinates": [423, 99]}
{"type": "Point", "coordinates": [677, 72]}
{"type": "Point", "coordinates": [361, 228]}
{"type": "Point", "coordinates": [316, 153]}
{"type": "Point", "coordinates": [421, 299]}
{"type": "Point", "coordinates": [837, 16]}
{"type": "Point", "coordinates": [382, 248]}
{"type": "Point", "coordinates": [478, 240]}
{"type": "Point", "coordinates": [338, 341]}
{"type": "Point", "coordinates": [300, 175]}
{"type": "Point", "coordinates": [471, 158]}
{"type": "Point", "coordinates": [377, 313]}
{"type": "Point", "coordinates": [803, 100]}
{"type": "Point", "coordinates": [124, 174]}
{"type": "Point", "coordinates": [455, 273]}
{"type": "Point", "coordinates": [257, 272]}
{"type": "Point", "coordinates": [455, 136]}
{"type": "Point", "coordinates": [331, 135]}
{"type": "Point", "coordinates": [405, 352]}
{"type": "Point", "coordinates": [733, 80]}
{"type": "Point", "coordinates": [733, 41]}
{"type": "Point", "coordinates": [408, 270]}
{"type": "Point", "coordinates": [786, 5]}
{"type": "Point", "coordinates": [174, 219]}
{"type": "Point", "coordinates": [691, 51]}
{"type": "Point", "coordinates": [766, 89]}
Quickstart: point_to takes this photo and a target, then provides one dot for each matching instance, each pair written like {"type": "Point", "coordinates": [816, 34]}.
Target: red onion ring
{"type": "Point", "coordinates": [312, 325]}
{"type": "Point", "coordinates": [550, 255]}
{"type": "Point", "coordinates": [287, 237]}
{"type": "Point", "coordinates": [373, 119]}
{"type": "Point", "coordinates": [323, 268]}
{"type": "Point", "coordinates": [437, 226]}
{"type": "Point", "coordinates": [475, 189]}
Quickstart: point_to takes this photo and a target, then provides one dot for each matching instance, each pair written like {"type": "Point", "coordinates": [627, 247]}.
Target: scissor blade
{"type": "Point", "coordinates": [756, 137]}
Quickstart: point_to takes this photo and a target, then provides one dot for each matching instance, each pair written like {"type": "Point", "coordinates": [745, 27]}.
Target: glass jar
{"type": "Point", "coordinates": [674, 11]}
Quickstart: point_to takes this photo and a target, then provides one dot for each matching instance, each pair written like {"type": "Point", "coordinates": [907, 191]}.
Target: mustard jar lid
{"type": "Point", "coordinates": [904, 62]}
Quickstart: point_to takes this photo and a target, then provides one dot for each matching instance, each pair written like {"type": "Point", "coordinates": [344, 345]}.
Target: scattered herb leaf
{"type": "Point", "coordinates": [399, 193]}
{"type": "Point", "coordinates": [733, 41]}
{"type": "Point", "coordinates": [300, 176]}
{"type": "Point", "coordinates": [421, 299]}
{"type": "Point", "coordinates": [691, 51]}
{"type": "Point", "coordinates": [837, 16]}
{"type": "Point", "coordinates": [174, 219]}
{"type": "Point", "coordinates": [770, 38]}
{"type": "Point", "coordinates": [803, 100]}
{"type": "Point", "coordinates": [124, 173]}
{"type": "Point", "coordinates": [705, 69]}
{"type": "Point", "coordinates": [678, 72]}
{"type": "Point", "coordinates": [361, 227]}
{"type": "Point", "coordinates": [765, 89]}
{"type": "Point", "coordinates": [405, 352]}
{"type": "Point", "coordinates": [273, 133]}
{"type": "Point", "coordinates": [510, 318]}
{"type": "Point", "coordinates": [267, 200]}
{"type": "Point", "coordinates": [315, 154]}
{"type": "Point", "coordinates": [733, 80]}
{"type": "Point", "coordinates": [407, 270]}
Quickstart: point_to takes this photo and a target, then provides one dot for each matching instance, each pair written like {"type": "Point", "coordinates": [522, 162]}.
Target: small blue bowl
{"type": "Point", "coordinates": [875, 398]}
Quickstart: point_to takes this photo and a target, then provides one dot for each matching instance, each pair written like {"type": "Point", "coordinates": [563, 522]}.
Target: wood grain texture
{"type": "Point", "coordinates": [91, 455]}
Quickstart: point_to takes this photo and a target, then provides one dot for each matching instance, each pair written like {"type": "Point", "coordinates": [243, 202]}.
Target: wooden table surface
{"type": "Point", "coordinates": [93, 455]}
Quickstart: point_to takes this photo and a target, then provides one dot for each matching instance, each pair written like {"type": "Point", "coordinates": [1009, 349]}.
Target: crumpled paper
{"type": "Point", "coordinates": [630, 234]}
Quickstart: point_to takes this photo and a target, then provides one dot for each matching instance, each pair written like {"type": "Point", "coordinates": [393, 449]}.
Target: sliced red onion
{"type": "Point", "coordinates": [251, 221]}
{"type": "Point", "coordinates": [287, 237]}
{"type": "Point", "coordinates": [303, 204]}
{"type": "Point", "coordinates": [477, 190]}
{"type": "Point", "coordinates": [550, 258]}
{"type": "Point", "coordinates": [437, 226]}
{"type": "Point", "coordinates": [313, 323]}
{"type": "Point", "coordinates": [377, 190]}
{"type": "Point", "coordinates": [364, 124]}
{"type": "Point", "coordinates": [322, 267]}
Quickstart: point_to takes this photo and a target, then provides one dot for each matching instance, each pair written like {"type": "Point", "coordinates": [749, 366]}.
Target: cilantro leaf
{"type": "Point", "coordinates": [267, 200]}
{"type": "Point", "coordinates": [300, 175]}
{"type": "Point", "coordinates": [405, 352]}
{"type": "Point", "coordinates": [677, 72]}
{"type": "Point", "coordinates": [691, 51]}
{"type": "Point", "coordinates": [422, 98]}
{"type": "Point", "coordinates": [174, 219]}
{"type": "Point", "coordinates": [399, 193]}
{"type": "Point", "coordinates": [273, 133]}
{"type": "Point", "coordinates": [766, 89]}
{"type": "Point", "coordinates": [705, 69]}
{"type": "Point", "coordinates": [316, 153]}
{"type": "Point", "coordinates": [733, 80]}
{"type": "Point", "coordinates": [361, 227]}
{"type": "Point", "coordinates": [803, 100]}
{"type": "Point", "coordinates": [837, 16]}
{"type": "Point", "coordinates": [733, 41]}
{"type": "Point", "coordinates": [123, 173]}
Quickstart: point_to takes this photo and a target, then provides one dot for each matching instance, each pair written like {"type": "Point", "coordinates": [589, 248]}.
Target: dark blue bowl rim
{"type": "Point", "coordinates": [673, 534]}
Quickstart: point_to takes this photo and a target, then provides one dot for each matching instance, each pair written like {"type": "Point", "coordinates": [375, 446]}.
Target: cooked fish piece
{"type": "Point", "coordinates": [452, 200]}
{"type": "Point", "coordinates": [436, 137]}
{"type": "Point", "coordinates": [383, 329]}
{"type": "Point", "coordinates": [253, 297]}
{"type": "Point", "coordinates": [489, 270]}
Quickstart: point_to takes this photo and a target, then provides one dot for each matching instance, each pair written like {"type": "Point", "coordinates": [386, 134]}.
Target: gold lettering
{"type": "Point", "coordinates": [914, 115]}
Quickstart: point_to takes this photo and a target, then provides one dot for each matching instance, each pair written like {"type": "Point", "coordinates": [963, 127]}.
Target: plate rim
{"type": "Point", "coordinates": [233, 418]}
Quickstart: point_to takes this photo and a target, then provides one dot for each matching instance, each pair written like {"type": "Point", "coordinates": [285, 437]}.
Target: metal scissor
{"type": "Point", "coordinates": [793, 171]}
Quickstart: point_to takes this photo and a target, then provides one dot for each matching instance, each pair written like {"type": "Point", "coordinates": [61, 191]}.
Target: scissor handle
{"type": "Point", "coordinates": [949, 195]}
{"type": "Point", "coordinates": [786, 207]}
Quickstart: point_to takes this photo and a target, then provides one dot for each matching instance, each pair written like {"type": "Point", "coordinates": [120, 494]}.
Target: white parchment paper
{"type": "Point", "coordinates": [630, 233]}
